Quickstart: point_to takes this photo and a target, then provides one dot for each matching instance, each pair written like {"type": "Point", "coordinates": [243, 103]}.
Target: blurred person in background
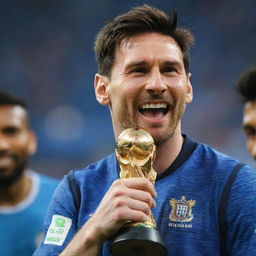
{"type": "Point", "coordinates": [246, 88]}
{"type": "Point", "coordinates": [24, 194]}
{"type": "Point", "coordinates": [144, 79]}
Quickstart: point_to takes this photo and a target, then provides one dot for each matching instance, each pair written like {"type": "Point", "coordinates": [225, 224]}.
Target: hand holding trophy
{"type": "Point", "coordinates": [135, 151]}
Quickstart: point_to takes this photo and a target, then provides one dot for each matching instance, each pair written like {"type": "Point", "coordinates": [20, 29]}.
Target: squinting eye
{"type": "Point", "coordinates": [139, 70]}
{"type": "Point", "coordinates": [250, 132]}
{"type": "Point", "coordinates": [168, 69]}
{"type": "Point", "coordinates": [10, 131]}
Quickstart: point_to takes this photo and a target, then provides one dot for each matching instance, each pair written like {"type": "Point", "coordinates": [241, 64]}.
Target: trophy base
{"type": "Point", "coordinates": [138, 240]}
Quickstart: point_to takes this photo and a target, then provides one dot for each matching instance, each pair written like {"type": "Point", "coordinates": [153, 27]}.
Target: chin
{"type": "Point", "coordinates": [13, 175]}
{"type": "Point", "coordinates": [161, 137]}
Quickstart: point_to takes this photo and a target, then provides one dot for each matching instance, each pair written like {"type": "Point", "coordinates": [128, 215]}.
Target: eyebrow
{"type": "Point", "coordinates": [172, 63]}
{"type": "Point", "coordinates": [136, 64]}
{"type": "Point", "coordinates": [145, 63]}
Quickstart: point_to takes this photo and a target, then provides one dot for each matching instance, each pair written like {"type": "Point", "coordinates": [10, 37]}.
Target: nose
{"type": "Point", "coordinates": [155, 85]}
{"type": "Point", "coordinates": [4, 145]}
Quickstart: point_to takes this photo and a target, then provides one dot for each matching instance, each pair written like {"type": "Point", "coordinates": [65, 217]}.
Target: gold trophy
{"type": "Point", "coordinates": [135, 152]}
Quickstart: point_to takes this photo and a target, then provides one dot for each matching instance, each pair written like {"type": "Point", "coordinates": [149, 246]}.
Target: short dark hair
{"type": "Point", "coordinates": [138, 20]}
{"type": "Point", "coordinates": [246, 85]}
{"type": "Point", "coordinates": [8, 99]}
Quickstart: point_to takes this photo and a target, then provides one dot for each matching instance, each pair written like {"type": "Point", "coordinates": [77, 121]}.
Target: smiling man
{"type": "Point", "coordinates": [144, 79]}
{"type": "Point", "coordinates": [24, 194]}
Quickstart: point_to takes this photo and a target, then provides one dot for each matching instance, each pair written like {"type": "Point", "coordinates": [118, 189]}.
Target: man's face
{"type": "Point", "coordinates": [249, 126]}
{"type": "Point", "coordinates": [148, 87]}
{"type": "Point", "coordinates": [17, 142]}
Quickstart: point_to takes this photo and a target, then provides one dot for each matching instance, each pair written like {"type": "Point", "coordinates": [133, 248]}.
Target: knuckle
{"type": "Point", "coordinates": [119, 203]}
{"type": "Point", "coordinates": [120, 215]}
{"type": "Point", "coordinates": [117, 183]}
{"type": "Point", "coordinates": [117, 192]}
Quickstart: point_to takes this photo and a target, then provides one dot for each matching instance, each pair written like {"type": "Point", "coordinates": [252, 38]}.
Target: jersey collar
{"type": "Point", "coordinates": [187, 149]}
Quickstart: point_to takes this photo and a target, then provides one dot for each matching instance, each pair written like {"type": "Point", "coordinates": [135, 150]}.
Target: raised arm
{"type": "Point", "coordinates": [126, 200]}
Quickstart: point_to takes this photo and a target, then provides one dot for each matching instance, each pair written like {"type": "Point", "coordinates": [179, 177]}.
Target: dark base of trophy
{"type": "Point", "coordinates": [137, 240]}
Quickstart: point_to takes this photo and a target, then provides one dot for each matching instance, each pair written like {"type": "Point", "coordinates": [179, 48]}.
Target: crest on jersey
{"type": "Point", "coordinates": [181, 210]}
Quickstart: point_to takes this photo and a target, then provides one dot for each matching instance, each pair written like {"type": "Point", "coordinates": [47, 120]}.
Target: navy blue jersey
{"type": "Point", "coordinates": [188, 197]}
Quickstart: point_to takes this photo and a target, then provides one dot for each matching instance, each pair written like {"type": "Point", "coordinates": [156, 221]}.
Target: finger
{"type": "Point", "coordinates": [141, 195]}
{"type": "Point", "coordinates": [130, 199]}
{"type": "Point", "coordinates": [125, 214]}
{"type": "Point", "coordinates": [138, 205]}
{"type": "Point", "coordinates": [139, 183]}
{"type": "Point", "coordinates": [120, 189]}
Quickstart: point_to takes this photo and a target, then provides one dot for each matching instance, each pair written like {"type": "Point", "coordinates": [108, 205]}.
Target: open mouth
{"type": "Point", "coordinates": [154, 110]}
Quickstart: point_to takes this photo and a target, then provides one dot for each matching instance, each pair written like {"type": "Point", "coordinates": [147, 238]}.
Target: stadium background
{"type": "Point", "coordinates": [47, 59]}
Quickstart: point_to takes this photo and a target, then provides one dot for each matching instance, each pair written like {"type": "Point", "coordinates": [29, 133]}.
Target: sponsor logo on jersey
{"type": "Point", "coordinates": [181, 212]}
{"type": "Point", "coordinates": [58, 230]}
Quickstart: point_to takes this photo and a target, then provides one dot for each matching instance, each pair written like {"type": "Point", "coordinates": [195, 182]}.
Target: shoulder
{"type": "Point", "coordinates": [100, 173]}
{"type": "Point", "coordinates": [208, 162]}
{"type": "Point", "coordinates": [104, 170]}
{"type": "Point", "coordinates": [225, 164]}
{"type": "Point", "coordinates": [81, 183]}
{"type": "Point", "coordinates": [208, 156]}
{"type": "Point", "coordinates": [245, 182]}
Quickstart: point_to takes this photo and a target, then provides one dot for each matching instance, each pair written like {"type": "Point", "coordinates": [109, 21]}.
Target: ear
{"type": "Point", "coordinates": [32, 143]}
{"type": "Point", "coordinates": [189, 94]}
{"type": "Point", "coordinates": [100, 87]}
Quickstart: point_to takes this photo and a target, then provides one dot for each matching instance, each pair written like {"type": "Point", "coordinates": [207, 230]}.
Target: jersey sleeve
{"type": "Point", "coordinates": [60, 223]}
{"type": "Point", "coordinates": [241, 214]}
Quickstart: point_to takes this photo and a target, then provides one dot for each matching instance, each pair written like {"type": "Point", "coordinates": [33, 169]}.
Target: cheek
{"type": "Point", "coordinates": [177, 87]}
{"type": "Point", "coordinates": [251, 145]}
{"type": "Point", "coordinates": [124, 95]}
{"type": "Point", "coordinates": [21, 145]}
{"type": "Point", "coordinates": [132, 88]}
{"type": "Point", "coordinates": [172, 80]}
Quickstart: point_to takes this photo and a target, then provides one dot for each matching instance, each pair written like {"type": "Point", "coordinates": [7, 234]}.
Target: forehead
{"type": "Point", "coordinates": [149, 45]}
{"type": "Point", "coordinates": [250, 112]}
{"type": "Point", "coordinates": [12, 116]}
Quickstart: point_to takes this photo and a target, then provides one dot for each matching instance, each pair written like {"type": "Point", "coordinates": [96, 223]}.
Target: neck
{"type": "Point", "coordinates": [16, 192]}
{"type": "Point", "coordinates": [167, 152]}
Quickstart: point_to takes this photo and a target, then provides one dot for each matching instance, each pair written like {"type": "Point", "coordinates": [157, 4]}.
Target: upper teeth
{"type": "Point", "coordinates": [154, 105]}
